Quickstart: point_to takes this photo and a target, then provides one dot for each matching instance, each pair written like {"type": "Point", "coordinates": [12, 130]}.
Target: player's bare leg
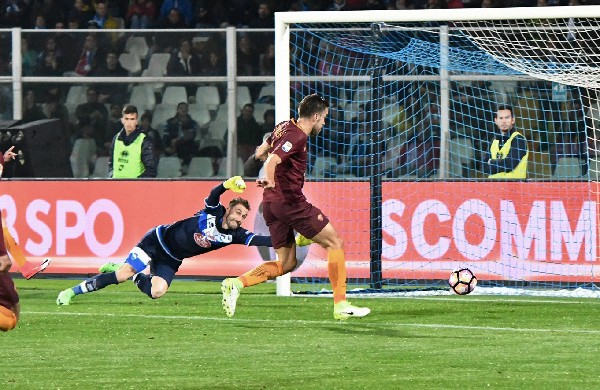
{"type": "Point", "coordinates": [336, 267]}
{"type": "Point", "coordinates": [96, 283]}
{"type": "Point", "coordinates": [26, 268]}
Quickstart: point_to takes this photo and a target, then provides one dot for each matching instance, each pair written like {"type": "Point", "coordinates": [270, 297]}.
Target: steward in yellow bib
{"type": "Point", "coordinates": [132, 153]}
{"type": "Point", "coordinates": [508, 152]}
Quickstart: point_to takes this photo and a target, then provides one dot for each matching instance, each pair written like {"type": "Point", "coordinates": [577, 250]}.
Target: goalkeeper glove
{"type": "Point", "coordinates": [235, 184]}
{"type": "Point", "coordinates": [303, 241]}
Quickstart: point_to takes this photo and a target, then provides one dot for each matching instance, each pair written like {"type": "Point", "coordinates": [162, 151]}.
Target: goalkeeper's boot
{"type": "Point", "coordinates": [109, 267]}
{"type": "Point", "coordinates": [65, 296]}
{"type": "Point", "coordinates": [344, 310]}
{"type": "Point", "coordinates": [231, 291]}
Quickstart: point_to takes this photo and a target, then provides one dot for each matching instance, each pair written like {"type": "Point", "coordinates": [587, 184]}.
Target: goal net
{"type": "Point", "coordinates": [400, 166]}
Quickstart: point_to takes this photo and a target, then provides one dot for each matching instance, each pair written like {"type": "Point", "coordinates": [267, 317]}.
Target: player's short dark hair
{"type": "Point", "coordinates": [235, 201]}
{"type": "Point", "coordinates": [312, 104]}
{"type": "Point", "coordinates": [129, 109]}
{"type": "Point", "coordinates": [504, 107]}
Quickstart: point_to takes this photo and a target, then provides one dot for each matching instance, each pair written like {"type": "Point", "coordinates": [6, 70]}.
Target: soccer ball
{"type": "Point", "coordinates": [462, 281]}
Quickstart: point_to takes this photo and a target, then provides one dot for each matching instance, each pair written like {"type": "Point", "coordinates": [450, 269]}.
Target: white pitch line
{"type": "Point", "coordinates": [308, 322]}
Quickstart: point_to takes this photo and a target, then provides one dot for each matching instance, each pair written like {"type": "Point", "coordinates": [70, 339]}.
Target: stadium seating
{"type": "Point", "coordinates": [162, 112]}
{"type": "Point", "coordinates": [142, 96]}
{"type": "Point", "coordinates": [594, 169]}
{"type": "Point", "coordinates": [200, 167]}
{"type": "Point", "coordinates": [461, 154]}
{"type": "Point", "coordinates": [101, 167]}
{"type": "Point", "coordinates": [237, 170]}
{"type": "Point", "coordinates": [169, 167]}
{"type": "Point", "coordinates": [324, 167]}
{"type": "Point", "coordinates": [158, 86]}
{"type": "Point", "coordinates": [158, 63]}
{"type": "Point", "coordinates": [174, 95]}
{"type": "Point", "coordinates": [267, 90]}
{"type": "Point", "coordinates": [259, 111]}
{"type": "Point", "coordinates": [243, 96]}
{"type": "Point", "coordinates": [200, 114]}
{"type": "Point", "coordinates": [83, 155]}
{"type": "Point", "coordinates": [131, 62]}
{"type": "Point", "coordinates": [567, 168]}
{"type": "Point", "coordinates": [209, 96]}
{"type": "Point", "coordinates": [218, 128]}
{"type": "Point", "coordinates": [137, 45]}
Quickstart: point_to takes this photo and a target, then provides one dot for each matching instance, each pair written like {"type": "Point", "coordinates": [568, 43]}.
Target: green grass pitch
{"type": "Point", "coordinates": [120, 339]}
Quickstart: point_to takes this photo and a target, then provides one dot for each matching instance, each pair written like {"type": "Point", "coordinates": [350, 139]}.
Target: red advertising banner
{"type": "Point", "coordinates": [82, 224]}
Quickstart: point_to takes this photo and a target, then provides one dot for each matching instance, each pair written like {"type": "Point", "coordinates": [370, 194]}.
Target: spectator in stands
{"type": "Point", "coordinates": [88, 57]}
{"type": "Point", "coordinates": [53, 109]}
{"type": "Point", "coordinates": [153, 134]}
{"type": "Point", "coordinates": [141, 14]}
{"type": "Point", "coordinates": [31, 110]}
{"type": "Point", "coordinates": [359, 153]}
{"type": "Point", "coordinates": [264, 17]}
{"type": "Point", "coordinates": [68, 43]}
{"type": "Point", "coordinates": [183, 6]}
{"type": "Point", "coordinates": [29, 58]}
{"type": "Point", "coordinates": [374, 5]}
{"type": "Point", "coordinates": [215, 66]}
{"type": "Point", "coordinates": [49, 67]}
{"type": "Point", "coordinates": [419, 156]}
{"type": "Point", "coordinates": [204, 17]}
{"type": "Point", "coordinates": [51, 45]}
{"type": "Point", "coordinates": [249, 132]}
{"type": "Point", "coordinates": [115, 93]}
{"type": "Point", "coordinates": [13, 13]}
{"type": "Point", "coordinates": [102, 18]}
{"type": "Point", "coordinates": [165, 42]}
{"type": "Point", "coordinates": [39, 22]}
{"type": "Point", "coordinates": [247, 57]}
{"type": "Point", "coordinates": [184, 62]}
{"type": "Point", "coordinates": [179, 138]}
{"type": "Point", "coordinates": [338, 5]}
{"type": "Point", "coordinates": [268, 123]}
{"type": "Point", "coordinates": [267, 62]}
{"type": "Point", "coordinates": [398, 5]}
{"type": "Point", "coordinates": [82, 12]}
{"type": "Point", "coordinates": [93, 113]}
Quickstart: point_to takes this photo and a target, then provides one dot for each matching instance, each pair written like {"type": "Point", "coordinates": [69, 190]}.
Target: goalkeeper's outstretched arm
{"type": "Point", "coordinates": [235, 184]}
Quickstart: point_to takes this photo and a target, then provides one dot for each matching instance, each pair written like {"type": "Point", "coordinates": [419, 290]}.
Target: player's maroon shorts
{"type": "Point", "coordinates": [283, 218]}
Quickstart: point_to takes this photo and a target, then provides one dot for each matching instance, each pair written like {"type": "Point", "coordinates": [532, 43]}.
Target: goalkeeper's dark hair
{"type": "Point", "coordinates": [504, 107]}
{"type": "Point", "coordinates": [129, 109]}
{"type": "Point", "coordinates": [235, 201]}
{"type": "Point", "coordinates": [312, 104]}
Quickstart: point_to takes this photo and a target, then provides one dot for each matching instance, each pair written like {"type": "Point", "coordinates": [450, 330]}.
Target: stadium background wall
{"type": "Point", "coordinates": [82, 224]}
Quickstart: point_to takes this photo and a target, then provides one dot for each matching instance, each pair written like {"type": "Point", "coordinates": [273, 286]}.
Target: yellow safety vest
{"type": "Point", "coordinates": [127, 159]}
{"type": "Point", "coordinates": [520, 171]}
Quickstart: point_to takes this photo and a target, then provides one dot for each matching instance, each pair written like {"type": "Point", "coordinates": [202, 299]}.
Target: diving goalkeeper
{"type": "Point", "coordinates": [164, 247]}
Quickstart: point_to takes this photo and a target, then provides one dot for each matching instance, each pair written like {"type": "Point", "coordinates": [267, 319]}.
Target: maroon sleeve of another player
{"type": "Point", "coordinates": [289, 143]}
{"type": "Point", "coordinates": [8, 294]}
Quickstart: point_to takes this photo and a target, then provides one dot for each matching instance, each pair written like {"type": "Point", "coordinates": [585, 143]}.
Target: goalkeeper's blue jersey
{"type": "Point", "coordinates": [203, 232]}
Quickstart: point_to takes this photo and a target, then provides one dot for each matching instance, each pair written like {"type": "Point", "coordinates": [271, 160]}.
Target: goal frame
{"type": "Point", "coordinates": [283, 20]}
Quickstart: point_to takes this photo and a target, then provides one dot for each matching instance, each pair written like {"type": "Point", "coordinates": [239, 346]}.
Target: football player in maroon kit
{"type": "Point", "coordinates": [285, 209]}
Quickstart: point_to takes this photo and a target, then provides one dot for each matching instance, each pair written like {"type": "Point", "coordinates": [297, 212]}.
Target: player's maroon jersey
{"type": "Point", "coordinates": [288, 141]}
{"type": "Point", "coordinates": [8, 294]}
